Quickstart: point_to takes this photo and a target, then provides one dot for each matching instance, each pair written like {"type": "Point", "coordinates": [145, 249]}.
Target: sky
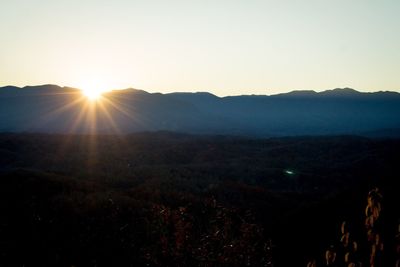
{"type": "Point", "coordinates": [227, 47]}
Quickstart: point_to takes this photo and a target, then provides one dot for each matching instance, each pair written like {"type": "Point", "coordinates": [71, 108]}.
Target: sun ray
{"type": "Point", "coordinates": [109, 117]}
{"type": "Point", "coordinates": [72, 129]}
{"type": "Point", "coordinates": [124, 109]}
{"type": "Point", "coordinates": [79, 118]}
{"type": "Point", "coordinates": [54, 112]}
{"type": "Point", "coordinates": [91, 118]}
{"type": "Point", "coordinates": [118, 108]}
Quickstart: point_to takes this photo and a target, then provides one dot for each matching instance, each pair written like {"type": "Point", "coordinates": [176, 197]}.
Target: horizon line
{"type": "Point", "coordinates": [312, 91]}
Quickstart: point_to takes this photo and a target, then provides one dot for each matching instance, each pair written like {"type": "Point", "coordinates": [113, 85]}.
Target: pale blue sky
{"type": "Point", "coordinates": [226, 47]}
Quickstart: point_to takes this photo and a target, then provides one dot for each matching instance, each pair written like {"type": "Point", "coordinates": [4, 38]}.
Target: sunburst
{"type": "Point", "coordinates": [94, 90]}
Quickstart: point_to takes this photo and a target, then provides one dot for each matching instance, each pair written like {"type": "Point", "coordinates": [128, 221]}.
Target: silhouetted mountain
{"type": "Point", "coordinates": [300, 93]}
{"type": "Point", "coordinates": [341, 92]}
{"type": "Point", "coordinates": [51, 108]}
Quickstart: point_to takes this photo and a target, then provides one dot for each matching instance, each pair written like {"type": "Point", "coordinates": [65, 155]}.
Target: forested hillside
{"type": "Point", "coordinates": [168, 199]}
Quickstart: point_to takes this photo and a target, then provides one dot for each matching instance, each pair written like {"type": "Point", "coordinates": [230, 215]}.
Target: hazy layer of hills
{"type": "Point", "coordinates": [54, 109]}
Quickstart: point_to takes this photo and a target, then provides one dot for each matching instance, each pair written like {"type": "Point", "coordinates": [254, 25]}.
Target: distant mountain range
{"type": "Point", "coordinates": [54, 109]}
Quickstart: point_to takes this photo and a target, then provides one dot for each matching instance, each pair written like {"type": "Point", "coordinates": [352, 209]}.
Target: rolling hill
{"type": "Point", "coordinates": [54, 109]}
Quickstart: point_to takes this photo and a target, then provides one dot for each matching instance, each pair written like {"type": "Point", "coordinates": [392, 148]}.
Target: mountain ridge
{"type": "Point", "coordinates": [335, 91]}
{"type": "Point", "coordinates": [56, 109]}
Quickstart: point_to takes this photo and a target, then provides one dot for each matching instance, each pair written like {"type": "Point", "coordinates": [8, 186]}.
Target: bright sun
{"type": "Point", "coordinates": [94, 89]}
{"type": "Point", "coordinates": [93, 93]}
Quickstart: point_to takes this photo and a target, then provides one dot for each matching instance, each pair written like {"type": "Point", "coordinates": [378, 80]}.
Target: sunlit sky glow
{"type": "Point", "coordinates": [226, 47]}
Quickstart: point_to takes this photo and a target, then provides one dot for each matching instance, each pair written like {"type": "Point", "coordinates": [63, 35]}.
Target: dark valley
{"type": "Point", "coordinates": [171, 199]}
